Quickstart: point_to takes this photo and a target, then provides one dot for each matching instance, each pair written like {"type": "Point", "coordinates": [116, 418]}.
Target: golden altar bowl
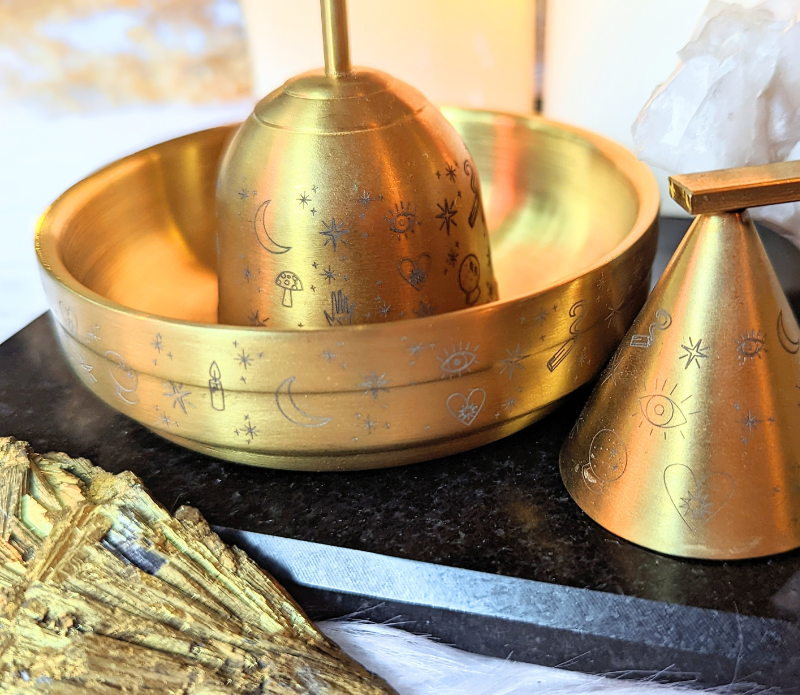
{"type": "Point", "coordinates": [128, 259]}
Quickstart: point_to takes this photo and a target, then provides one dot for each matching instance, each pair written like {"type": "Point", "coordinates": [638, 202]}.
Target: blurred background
{"type": "Point", "coordinates": [84, 82]}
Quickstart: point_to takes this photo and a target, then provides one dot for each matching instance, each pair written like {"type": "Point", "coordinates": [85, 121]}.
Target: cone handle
{"type": "Point", "coordinates": [735, 189]}
{"type": "Point", "coordinates": [335, 37]}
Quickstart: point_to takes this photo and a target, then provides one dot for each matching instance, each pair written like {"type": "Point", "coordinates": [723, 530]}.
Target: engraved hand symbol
{"type": "Point", "coordinates": [341, 310]}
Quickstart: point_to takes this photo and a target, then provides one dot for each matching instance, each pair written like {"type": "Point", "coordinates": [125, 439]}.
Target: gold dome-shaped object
{"type": "Point", "coordinates": [128, 266]}
{"type": "Point", "coordinates": [690, 443]}
{"type": "Point", "coordinates": [347, 198]}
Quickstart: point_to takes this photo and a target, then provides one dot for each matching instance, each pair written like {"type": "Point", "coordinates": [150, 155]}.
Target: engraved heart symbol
{"type": "Point", "coordinates": [695, 500]}
{"type": "Point", "coordinates": [415, 272]}
{"type": "Point", "coordinates": [466, 408]}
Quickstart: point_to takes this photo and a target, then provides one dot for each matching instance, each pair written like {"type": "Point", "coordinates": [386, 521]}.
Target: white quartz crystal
{"type": "Point", "coordinates": [733, 100]}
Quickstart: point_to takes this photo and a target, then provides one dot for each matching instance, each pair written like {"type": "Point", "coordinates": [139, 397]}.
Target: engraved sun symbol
{"type": "Point", "coordinates": [403, 219]}
{"type": "Point", "coordinates": [750, 346]}
{"type": "Point", "coordinates": [662, 412]}
{"type": "Point", "coordinates": [696, 505]}
{"type": "Point", "coordinates": [467, 412]}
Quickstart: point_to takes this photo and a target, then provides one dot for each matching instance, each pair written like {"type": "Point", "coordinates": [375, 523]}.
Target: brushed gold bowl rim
{"type": "Point", "coordinates": [56, 217]}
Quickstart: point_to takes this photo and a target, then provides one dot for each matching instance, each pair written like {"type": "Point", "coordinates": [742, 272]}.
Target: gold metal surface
{"type": "Point", "coordinates": [335, 37]}
{"type": "Point", "coordinates": [128, 259]}
{"type": "Point", "coordinates": [736, 189]}
{"type": "Point", "coordinates": [347, 198]}
{"type": "Point", "coordinates": [689, 444]}
{"type": "Point", "coordinates": [104, 591]}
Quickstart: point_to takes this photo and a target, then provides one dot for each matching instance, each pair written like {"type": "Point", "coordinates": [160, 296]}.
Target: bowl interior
{"type": "Point", "coordinates": [144, 237]}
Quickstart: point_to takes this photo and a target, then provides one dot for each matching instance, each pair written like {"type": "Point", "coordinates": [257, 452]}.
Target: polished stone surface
{"type": "Point", "coordinates": [499, 509]}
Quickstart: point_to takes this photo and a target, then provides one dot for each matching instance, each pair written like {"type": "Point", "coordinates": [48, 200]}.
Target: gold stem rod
{"type": "Point", "coordinates": [734, 189]}
{"type": "Point", "coordinates": [335, 37]}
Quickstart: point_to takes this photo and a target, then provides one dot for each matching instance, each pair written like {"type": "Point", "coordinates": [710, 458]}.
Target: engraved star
{"type": "Point", "coordinates": [328, 355]}
{"type": "Point", "coordinates": [304, 199]}
{"type": "Point", "coordinates": [374, 384]}
{"type": "Point", "coordinates": [314, 188]}
{"type": "Point", "coordinates": [446, 216]}
{"type": "Point", "coordinates": [416, 349]}
{"type": "Point", "coordinates": [178, 395]}
{"type": "Point", "coordinates": [255, 320]}
{"type": "Point", "coordinates": [365, 199]}
{"type": "Point", "coordinates": [438, 175]}
{"type": "Point", "coordinates": [425, 310]}
{"type": "Point", "coordinates": [450, 172]}
{"type": "Point", "coordinates": [694, 352]}
{"type": "Point", "coordinates": [247, 274]}
{"type": "Point", "coordinates": [513, 361]}
{"type": "Point", "coordinates": [334, 233]}
{"type": "Point", "coordinates": [313, 211]}
{"type": "Point", "coordinates": [243, 194]}
{"type": "Point", "coordinates": [93, 334]}
{"type": "Point", "coordinates": [541, 317]}
{"type": "Point", "coordinates": [158, 343]}
{"type": "Point", "coordinates": [328, 274]}
{"type": "Point", "coordinates": [385, 309]}
{"type": "Point", "coordinates": [370, 424]}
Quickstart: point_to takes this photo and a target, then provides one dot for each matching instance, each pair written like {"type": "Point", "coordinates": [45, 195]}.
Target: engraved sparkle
{"type": "Point", "coordinates": [328, 274]}
{"type": "Point", "coordinates": [370, 424]}
{"type": "Point", "coordinates": [244, 359]}
{"type": "Point", "coordinates": [304, 199]}
{"type": "Point", "coordinates": [178, 394]}
{"type": "Point", "coordinates": [751, 422]}
{"type": "Point", "coordinates": [374, 384]}
{"type": "Point", "coordinates": [694, 352]}
{"type": "Point", "coordinates": [614, 311]}
{"type": "Point", "coordinates": [334, 233]}
{"type": "Point", "coordinates": [448, 212]}
{"type": "Point", "coordinates": [513, 361]}
{"type": "Point", "coordinates": [365, 199]}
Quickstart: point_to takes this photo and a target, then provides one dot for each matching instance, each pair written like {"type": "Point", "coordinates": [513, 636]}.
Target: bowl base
{"type": "Point", "coordinates": [386, 458]}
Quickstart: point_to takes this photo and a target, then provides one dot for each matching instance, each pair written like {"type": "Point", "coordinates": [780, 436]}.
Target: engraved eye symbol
{"type": "Point", "coordinates": [403, 219]}
{"type": "Point", "coordinates": [661, 411]}
{"type": "Point", "coordinates": [749, 346]}
{"type": "Point", "coordinates": [458, 361]}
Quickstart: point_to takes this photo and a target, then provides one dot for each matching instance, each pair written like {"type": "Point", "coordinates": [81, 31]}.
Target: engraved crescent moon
{"type": "Point", "coordinates": [791, 346]}
{"type": "Point", "coordinates": [289, 409]}
{"type": "Point", "coordinates": [262, 234]}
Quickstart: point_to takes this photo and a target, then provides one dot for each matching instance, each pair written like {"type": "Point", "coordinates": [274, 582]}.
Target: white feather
{"type": "Point", "coordinates": [416, 665]}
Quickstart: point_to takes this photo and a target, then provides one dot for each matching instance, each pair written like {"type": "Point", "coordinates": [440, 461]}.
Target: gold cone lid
{"type": "Point", "coordinates": [690, 443]}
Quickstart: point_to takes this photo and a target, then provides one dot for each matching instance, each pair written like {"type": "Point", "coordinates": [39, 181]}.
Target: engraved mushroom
{"type": "Point", "coordinates": [290, 283]}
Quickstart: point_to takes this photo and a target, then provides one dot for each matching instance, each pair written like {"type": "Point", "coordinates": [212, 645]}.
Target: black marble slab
{"type": "Point", "coordinates": [499, 509]}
